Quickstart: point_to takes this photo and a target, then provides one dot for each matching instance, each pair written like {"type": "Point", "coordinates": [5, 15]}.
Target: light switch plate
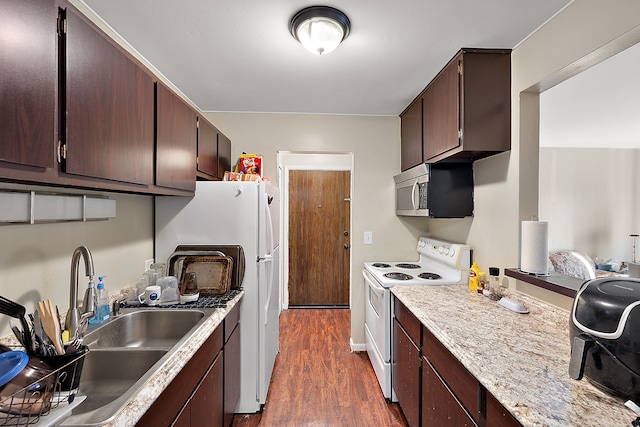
{"type": "Point", "coordinates": [368, 237]}
{"type": "Point", "coordinates": [147, 264]}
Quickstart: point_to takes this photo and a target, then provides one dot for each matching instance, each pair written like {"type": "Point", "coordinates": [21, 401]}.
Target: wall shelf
{"type": "Point", "coordinates": [37, 207]}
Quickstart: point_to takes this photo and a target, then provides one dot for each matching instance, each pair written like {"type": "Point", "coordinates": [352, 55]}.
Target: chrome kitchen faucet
{"type": "Point", "coordinates": [76, 319]}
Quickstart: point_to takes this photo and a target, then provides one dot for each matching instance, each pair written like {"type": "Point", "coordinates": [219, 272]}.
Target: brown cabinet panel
{"type": "Point", "coordinates": [224, 155]}
{"type": "Point", "coordinates": [441, 113]}
{"type": "Point", "coordinates": [406, 374]}
{"type": "Point", "coordinates": [231, 376]}
{"type": "Point", "coordinates": [439, 405]}
{"type": "Point", "coordinates": [206, 403]}
{"type": "Point", "coordinates": [177, 395]}
{"type": "Point", "coordinates": [207, 148]}
{"type": "Point", "coordinates": [184, 418]}
{"type": "Point", "coordinates": [497, 415]}
{"type": "Point", "coordinates": [462, 383]}
{"type": "Point", "coordinates": [411, 135]}
{"type": "Point", "coordinates": [28, 83]}
{"type": "Point", "coordinates": [409, 322]}
{"type": "Point", "coordinates": [175, 141]}
{"type": "Point", "coordinates": [109, 108]}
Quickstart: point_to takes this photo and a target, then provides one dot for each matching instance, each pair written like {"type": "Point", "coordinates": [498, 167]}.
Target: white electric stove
{"type": "Point", "coordinates": [439, 263]}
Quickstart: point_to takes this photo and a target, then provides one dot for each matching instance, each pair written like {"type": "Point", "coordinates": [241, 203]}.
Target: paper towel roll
{"type": "Point", "coordinates": [534, 247]}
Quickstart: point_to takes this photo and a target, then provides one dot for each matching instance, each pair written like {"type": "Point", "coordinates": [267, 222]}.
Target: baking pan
{"type": "Point", "coordinates": [213, 273]}
{"type": "Point", "coordinates": [234, 251]}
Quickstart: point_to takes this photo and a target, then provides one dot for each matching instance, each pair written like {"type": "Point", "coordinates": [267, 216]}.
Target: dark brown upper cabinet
{"type": "Point", "coordinates": [176, 138]}
{"type": "Point", "coordinates": [466, 111]}
{"type": "Point", "coordinates": [28, 83]}
{"type": "Point", "coordinates": [224, 155]}
{"type": "Point", "coordinates": [207, 150]}
{"type": "Point", "coordinates": [411, 135]}
{"type": "Point", "coordinates": [109, 108]}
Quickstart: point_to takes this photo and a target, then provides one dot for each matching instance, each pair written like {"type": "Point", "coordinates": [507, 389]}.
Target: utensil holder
{"type": "Point", "coordinates": [69, 367]}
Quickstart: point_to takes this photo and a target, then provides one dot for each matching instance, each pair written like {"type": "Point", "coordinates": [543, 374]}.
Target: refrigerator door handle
{"type": "Point", "coordinates": [270, 240]}
{"type": "Point", "coordinates": [268, 259]}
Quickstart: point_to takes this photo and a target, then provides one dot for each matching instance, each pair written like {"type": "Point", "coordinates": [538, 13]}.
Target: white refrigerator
{"type": "Point", "coordinates": [236, 213]}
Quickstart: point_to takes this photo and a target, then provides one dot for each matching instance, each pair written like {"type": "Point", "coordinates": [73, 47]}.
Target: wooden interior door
{"type": "Point", "coordinates": [319, 228]}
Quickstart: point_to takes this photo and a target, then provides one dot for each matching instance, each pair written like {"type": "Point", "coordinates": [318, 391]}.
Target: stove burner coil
{"type": "Point", "coordinates": [407, 265]}
{"type": "Point", "coordinates": [380, 265]}
{"type": "Point", "coordinates": [398, 276]}
{"type": "Point", "coordinates": [430, 276]}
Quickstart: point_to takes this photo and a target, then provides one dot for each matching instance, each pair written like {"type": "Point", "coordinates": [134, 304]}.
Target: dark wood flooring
{"type": "Point", "coordinates": [317, 381]}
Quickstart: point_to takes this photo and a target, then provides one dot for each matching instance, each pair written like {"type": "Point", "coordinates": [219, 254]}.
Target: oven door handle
{"type": "Point", "coordinates": [372, 283]}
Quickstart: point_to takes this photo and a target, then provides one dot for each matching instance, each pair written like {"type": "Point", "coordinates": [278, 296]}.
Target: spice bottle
{"type": "Point", "coordinates": [473, 277]}
{"type": "Point", "coordinates": [494, 279]}
{"type": "Point", "coordinates": [483, 282]}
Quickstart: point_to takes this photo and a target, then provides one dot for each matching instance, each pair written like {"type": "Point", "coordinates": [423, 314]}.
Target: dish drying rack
{"type": "Point", "coordinates": [46, 400]}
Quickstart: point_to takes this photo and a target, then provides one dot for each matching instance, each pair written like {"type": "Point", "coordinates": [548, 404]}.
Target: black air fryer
{"type": "Point", "coordinates": [605, 335]}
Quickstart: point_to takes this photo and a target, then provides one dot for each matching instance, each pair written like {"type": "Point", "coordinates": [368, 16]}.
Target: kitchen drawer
{"type": "Point", "coordinates": [463, 385]}
{"type": "Point", "coordinates": [409, 322]}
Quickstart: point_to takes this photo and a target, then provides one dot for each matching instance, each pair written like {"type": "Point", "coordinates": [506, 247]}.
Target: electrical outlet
{"type": "Point", "coordinates": [368, 237]}
{"type": "Point", "coordinates": [147, 264]}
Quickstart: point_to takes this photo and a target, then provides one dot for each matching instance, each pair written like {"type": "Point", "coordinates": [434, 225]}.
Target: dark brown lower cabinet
{"type": "Point", "coordinates": [231, 375]}
{"type": "Point", "coordinates": [497, 415]}
{"type": "Point", "coordinates": [231, 364]}
{"type": "Point", "coordinates": [433, 388]}
{"type": "Point", "coordinates": [406, 374]}
{"type": "Point", "coordinates": [439, 406]}
{"type": "Point", "coordinates": [207, 401]}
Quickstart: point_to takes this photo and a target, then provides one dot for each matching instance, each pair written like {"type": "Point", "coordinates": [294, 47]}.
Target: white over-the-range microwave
{"type": "Point", "coordinates": [435, 190]}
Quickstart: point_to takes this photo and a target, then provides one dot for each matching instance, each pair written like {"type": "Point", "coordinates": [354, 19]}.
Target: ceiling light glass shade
{"type": "Point", "coordinates": [320, 29]}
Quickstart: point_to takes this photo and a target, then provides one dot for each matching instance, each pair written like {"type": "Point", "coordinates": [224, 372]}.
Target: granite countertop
{"type": "Point", "coordinates": [524, 358]}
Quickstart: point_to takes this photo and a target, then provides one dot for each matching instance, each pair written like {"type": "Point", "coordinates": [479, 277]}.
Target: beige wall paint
{"type": "Point", "coordinates": [35, 260]}
{"type": "Point", "coordinates": [375, 144]}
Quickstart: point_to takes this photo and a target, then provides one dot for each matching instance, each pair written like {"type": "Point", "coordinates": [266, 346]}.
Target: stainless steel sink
{"type": "Point", "coordinates": [160, 328]}
{"type": "Point", "coordinates": [124, 354]}
{"type": "Point", "coordinates": [109, 378]}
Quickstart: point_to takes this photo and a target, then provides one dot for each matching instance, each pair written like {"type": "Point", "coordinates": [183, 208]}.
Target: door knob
{"type": "Point", "coordinates": [346, 246]}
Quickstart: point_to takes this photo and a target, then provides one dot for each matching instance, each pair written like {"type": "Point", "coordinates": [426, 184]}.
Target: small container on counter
{"type": "Point", "coordinates": [474, 271]}
{"type": "Point", "coordinates": [483, 282]}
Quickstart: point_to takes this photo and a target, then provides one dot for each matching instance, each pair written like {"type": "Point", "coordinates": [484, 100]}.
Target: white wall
{"type": "Point", "coordinates": [375, 144]}
{"type": "Point", "coordinates": [589, 197]}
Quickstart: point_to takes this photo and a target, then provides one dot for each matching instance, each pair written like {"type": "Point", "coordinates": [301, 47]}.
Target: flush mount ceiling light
{"type": "Point", "coordinates": [320, 29]}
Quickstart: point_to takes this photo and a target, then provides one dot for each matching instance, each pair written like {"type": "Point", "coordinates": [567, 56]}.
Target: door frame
{"type": "Point", "coordinates": [298, 160]}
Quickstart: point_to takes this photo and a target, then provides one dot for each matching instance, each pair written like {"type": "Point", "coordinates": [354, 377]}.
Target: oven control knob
{"type": "Point", "coordinates": [446, 251]}
{"type": "Point", "coordinates": [452, 252]}
{"type": "Point", "coordinates": [441, 249]}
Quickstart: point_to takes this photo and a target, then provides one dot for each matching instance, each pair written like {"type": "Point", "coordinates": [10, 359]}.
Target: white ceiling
{"type": "Point", "coordinates": [238, 55]}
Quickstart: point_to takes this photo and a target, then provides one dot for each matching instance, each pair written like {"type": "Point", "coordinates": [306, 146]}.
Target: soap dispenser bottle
{"type": "Point", "coordinates": [102, 305]}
